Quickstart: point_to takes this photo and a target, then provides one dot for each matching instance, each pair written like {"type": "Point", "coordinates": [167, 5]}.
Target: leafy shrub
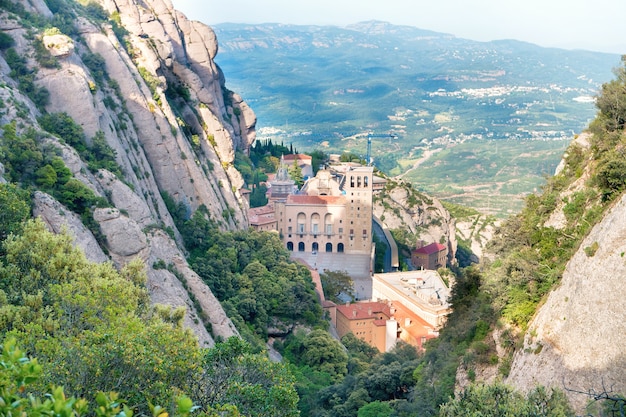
{"type": "Point", "coordinates": [26, 78]}
{"type": "Point", "coordinates": [6, 41]}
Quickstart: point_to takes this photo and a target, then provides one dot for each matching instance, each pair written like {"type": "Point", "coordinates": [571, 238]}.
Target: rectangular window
{"type": "Point", "coordinates": [315, 228]}
{"type": "Point", "coordinates": [329, 229]}
{"type": "Point", "coordinates": [301, 228]}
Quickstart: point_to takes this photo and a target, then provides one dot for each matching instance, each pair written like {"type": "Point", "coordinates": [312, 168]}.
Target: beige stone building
{"type": "Point", "coordinates": [331, 214]}
{"type": "Point", "coordinates": [432, 256]}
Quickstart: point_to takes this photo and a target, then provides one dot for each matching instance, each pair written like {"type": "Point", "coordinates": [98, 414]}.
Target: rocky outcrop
{"type": "Point", "coordinates": [59, 218]}
{"type": "Point", "coordinates": [399, 206]}
{"type": "Point", "coordinates": [576, 339]}
{"type": "Point", "coordinates": [158, 99]}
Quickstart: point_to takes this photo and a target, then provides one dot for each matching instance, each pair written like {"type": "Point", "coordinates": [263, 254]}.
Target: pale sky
{"type": "Point", "coordinates": [598, 25]}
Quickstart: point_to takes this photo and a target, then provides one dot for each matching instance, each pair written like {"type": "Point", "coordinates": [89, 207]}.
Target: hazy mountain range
{"type": "Point", "coordinates": [327, 87]}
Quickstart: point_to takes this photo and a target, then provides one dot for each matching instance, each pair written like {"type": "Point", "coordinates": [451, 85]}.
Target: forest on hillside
{"type": "Point", "coordinates": [108, 345]}
{"type": "Point", "coordinates": [82, 338]}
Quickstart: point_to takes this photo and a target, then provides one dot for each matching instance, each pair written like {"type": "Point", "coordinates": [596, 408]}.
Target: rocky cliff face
{"type": "Point", "coordinates": [401, 207]}
{"type": "Point", "coordinates": [160, 102]}
{"type": "Point", "coordinates": [576, 339]}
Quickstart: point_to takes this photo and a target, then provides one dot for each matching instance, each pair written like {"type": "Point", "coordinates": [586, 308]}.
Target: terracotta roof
{"type": "Point", "coordinates": [430, 249]}
{"type": "Point", "coordinates": [257, 211]}
{"type": "Point", "coordinates": [315, 199]}
{"type": "Point", "coordinates": [360, 311]}
{"type": "Point", "coordinates": [259, 221]}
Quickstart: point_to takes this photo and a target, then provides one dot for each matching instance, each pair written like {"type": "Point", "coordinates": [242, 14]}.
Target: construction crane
{"type": "Point", "coordinates": [368, 159]}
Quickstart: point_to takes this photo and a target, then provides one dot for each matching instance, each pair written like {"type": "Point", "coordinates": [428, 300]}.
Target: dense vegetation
{"type": "Point", "coordinates": [92, 329]}
{"type": "Point", "coordinates": [80, 338]}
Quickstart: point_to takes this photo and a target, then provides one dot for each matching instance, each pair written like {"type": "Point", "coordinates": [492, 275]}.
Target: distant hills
{"type": "Point", "coordinates": [325, 87]}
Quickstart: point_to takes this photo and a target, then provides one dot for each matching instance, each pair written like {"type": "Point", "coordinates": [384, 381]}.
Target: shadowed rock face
{"type": "Point", "coordinates": [161, 104]}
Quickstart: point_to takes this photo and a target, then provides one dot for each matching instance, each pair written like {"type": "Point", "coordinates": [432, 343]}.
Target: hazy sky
{"type": "Point", "coordinates": [598, 25]}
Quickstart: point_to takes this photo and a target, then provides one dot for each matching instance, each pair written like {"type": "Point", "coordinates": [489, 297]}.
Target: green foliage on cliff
{"type": "Point", "coordinates": [500, 400]}
{"type": "Point", "coordinates": [251, 274]}
{"type": "Point", "coordinates": [531, 253]}
{"type": "Point", "coordinates": [93, 331]}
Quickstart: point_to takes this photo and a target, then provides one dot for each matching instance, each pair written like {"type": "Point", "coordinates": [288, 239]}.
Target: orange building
{"type": "Point", "coordinates": [382, 324]}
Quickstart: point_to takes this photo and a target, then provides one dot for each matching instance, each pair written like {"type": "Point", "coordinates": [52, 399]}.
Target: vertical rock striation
{"type": "Point", "coordinates": [157, 98]}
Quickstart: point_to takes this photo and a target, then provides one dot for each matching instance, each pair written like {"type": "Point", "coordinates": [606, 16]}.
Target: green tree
{"type": "Point", "coordinates": [322, 352]}
{"type": "Point", "coordinates": [612, 100]}
{"type": "Point", "coordinates": [375, 409]}
{"type": "Point", "coordinates": [500, 400]}
{"type": "Point", "coordinates": [336, 284]}
{"type": "Point", "coordinates": [232, 374]}
{"type": "Point", "coordinates": [46, 176]}
{"type": "Point", "coordinates": [295, 172]}
{"type": "Point", "coordinates": [102, 337]}
{"type": "Point", "coordinates": [14, 209]}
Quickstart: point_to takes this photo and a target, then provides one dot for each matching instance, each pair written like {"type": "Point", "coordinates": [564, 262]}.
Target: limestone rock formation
{"type": "Point", "coordinates": [59, 218]}
{"type": "Point", "coordinates": [576, 339]}
{"type": "Point", "coordinates": [147, 84]}
{"type": "Point", "coordinates": [399, 206]}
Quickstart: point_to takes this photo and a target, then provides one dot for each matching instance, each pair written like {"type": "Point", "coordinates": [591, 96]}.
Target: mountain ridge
{"type": "Point", "coordinates": [327, 87]}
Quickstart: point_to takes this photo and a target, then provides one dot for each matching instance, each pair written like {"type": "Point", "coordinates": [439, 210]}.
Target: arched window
{"type": "Point", "coordinates": [301, 247]}
{"type": "Point", "coordinates": [340, 248]}
{"type": "Point", "coordinates": [290, 246]}
{"type": "Point", "coordinates": [328, 224]}
{"type": "Point", "coordinates": [300, 228]}
{"type": "Point", "coordinates": [316, 247]}
{"type": "Point", "coordinates": [315, 224]}
{"type": "Point", "coordinates": [329, 247]}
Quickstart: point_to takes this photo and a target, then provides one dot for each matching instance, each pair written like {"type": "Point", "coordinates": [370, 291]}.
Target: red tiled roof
{"type": "Point", "coordinates": [257, 211]}
{"type": "Point", "coordinates": [360, 311]}
{"type": "Point", "coordinates": [430, 249]}
{"type": "Point", "coordinates": [259, 221]}
{"type": "Point", "coordinates": [315, 199]}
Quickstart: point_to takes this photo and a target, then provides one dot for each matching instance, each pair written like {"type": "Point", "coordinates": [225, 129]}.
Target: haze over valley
{"type": "Point", "coordinates": [325, 87]}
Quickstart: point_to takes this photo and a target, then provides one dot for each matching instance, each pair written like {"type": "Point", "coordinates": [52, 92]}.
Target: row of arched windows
{"type": "Point", "coordinates": [315, 247]}
{"type": "Point", "coordinates": [315, 226]}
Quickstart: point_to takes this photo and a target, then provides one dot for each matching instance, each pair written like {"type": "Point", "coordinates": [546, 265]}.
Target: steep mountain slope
{"type": "Point", "coordinates": [558, 268]}
{"type": "Point", "coordinates": [144, 88]}
{"type": "Point", "coordinates": [576, 339]}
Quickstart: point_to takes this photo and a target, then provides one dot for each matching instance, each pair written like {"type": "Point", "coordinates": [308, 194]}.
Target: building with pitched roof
{"type": "Point", "coordinates": [432, 256]}
{"type": "Point", "coordinates": [304, 162]}
{"type": "Point", "coordinates": [382, 324]}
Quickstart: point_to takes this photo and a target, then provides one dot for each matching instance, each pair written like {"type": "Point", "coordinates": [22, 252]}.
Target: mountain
{"type": "Point", "coordinates": [134, 112]}
{"type": "Point", "coordinates": [326, 87]}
